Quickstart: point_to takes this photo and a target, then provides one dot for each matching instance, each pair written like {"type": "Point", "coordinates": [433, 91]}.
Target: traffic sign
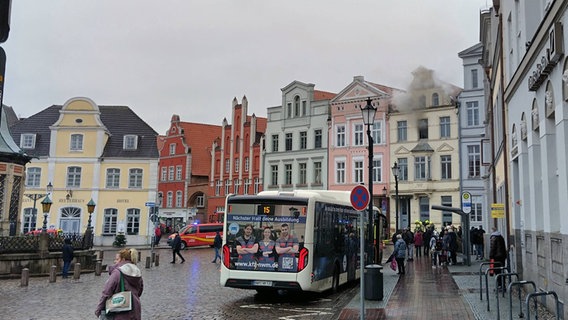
{"type": "Point", "coordinates": [360, 198]}
{"type": "Point", "coordinates": [466, 202]}
{"type": "Point", "coordinates": [150, 204]}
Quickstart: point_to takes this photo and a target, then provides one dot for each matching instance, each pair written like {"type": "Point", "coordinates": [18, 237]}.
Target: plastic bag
{"type": "Point", "coordinates": [393, 264]}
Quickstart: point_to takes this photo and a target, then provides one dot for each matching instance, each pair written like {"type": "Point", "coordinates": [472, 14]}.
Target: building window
{"type": "Point", "coordinates": [435, 99]}
{"type": "Point", "coordinates": [303, 168]}
{"type": "Point", "coordinates": [296, 106]}
{"type": "Point", "coordinates": [444, 127]}
{"type": "Point", "coordinates": [178, 172]}
{"type": "Point", "coordinates": [289, 111]}
{"type": "Point", "coordinates": [358, 171]}
{"type": "Point", "coordinates": [33, 177]}
{"type": "Point", "coordinates": [218, 186]}
{"type": "Point", "coordinates": [237, 164]}
{"type": "Point", "coordinates": [132, 221]}
{"type": "Point", "coordinates": [318, 138]}
{"type": "Point", "coordinates": [109, 221]}
{"type": "Point", "coordinates": [402, 127]}
{"type": "Point", "coordinates": [358, 135]}
{"type": "Point", "coordinates": [402, 169]}
{"type": "Point", "coordinates": [377, 133]}
{"type": "Point", "coordinates": [340, 136]}
{"type": "Point", "coordinates": [73, 177]}
{"type": "Point", "coordinates": [246, 186]}
{"type": "Point", "coordinates": [317, 172]}
{"type": "Point", "coordinates": [474, 79]}
{"type": "Point", "coordinates": [169, 199]}
{"type": "Point", "coordinates": [172, 149]}
{"type": "Point", "coordinates": [256, 185]}
{"type": "Point", "coordinates": [423, 129]}
{"type": "Point", "coordinates": [288, 142]}
{"type": "Point", "coordinates": [447, 215]}
{"type": "Point", "coordinates": [288, 174]}
{"type": "Point", "coordinates": [164, 176]}
{"type": "Point", "coordinates": [340, 172]}
{"type": "Point", "coordinates": [227, 165]}
{"type": "Point", "coordinates": [135, 178]}
{"type": "Point", "coordinates": [113, 178]}
{"type": "Point", "coordinates": [472, 109]}
{"type": "Point", "coordinates": [29, 222]}
{"type": "Point", "coordinates": [171, 173]}
{"type": "Point", "coordinates": [200, 201]}
{"type": "Point", "coordinates": [474, 161]}
{"type": "Point", "coordinates": [27, 141]}
{"type": "Point", "coordinates": [446, 166]}
{"type": "Point", "coordinates": [303, 140]}
{"type": "Point", "coordinates": [130, 142]}
{"type": "Point", "coordinates": [304, 108]}
{"type": "Point", "coordinates": [476, 214]}
{"type": "Point", "coordinates": [274, 143]}
{"type": "Point", "coordinates": [419, 168]}
{"type": "Point", "coordinates": [247, 164]}
{"type": "Point", "coordinates": [274, 175]}
{"type": "Point", "coordinates": [227, 186]}
{"type": "Point", "coordinates": [76, 142]}
{"type": "Point", "coordinates": [377, 170]}
{"type": "Point", "coordinates": [179, 199]}
{"type": "Point", "coordinates": [237, 187]}
{"type": "Point", "coordinates": [424, 204]}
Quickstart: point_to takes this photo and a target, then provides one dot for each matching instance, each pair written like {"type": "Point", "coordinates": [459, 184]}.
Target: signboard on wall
{"type": "Point", "coordinates": [497, 210]}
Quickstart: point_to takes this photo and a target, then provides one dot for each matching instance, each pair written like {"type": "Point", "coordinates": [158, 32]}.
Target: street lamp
{"type": "Point", "coordinates": [90, 209]}
{"type": "Point", "coordinates": [369, 119]}
{"type": "Point", "coordinates": [46, 205]}
{"type": "Point", "coordinates": [395, 173]}
{"type": "Point", "coordinates": [35, 197]}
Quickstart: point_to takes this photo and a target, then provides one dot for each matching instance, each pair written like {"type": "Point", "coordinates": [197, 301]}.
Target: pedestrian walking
{"type": "Point", "coordinates": [498, 253]}
{"type": "Point", "coordinates": [157, 235]}
{"type": "Point", "coordinates": [408, 237]}
{"type": "Point", "coordinates": [481, 243]}
{"type": "Point", "coordinates": [123, 273]}
{"type": "Point", "coordinates": [418, 242]}
{"type": "Point", "coordinates": [67, 257]}
{"type": "Point", "coordinates": [217, 243]}
{"type": "Point", "coordinates": [176, 247]}
{"type": "Point", "coordinates": [400, 254]}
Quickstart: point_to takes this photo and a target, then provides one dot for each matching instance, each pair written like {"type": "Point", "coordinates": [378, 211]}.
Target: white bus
{"type": "Point", "coordinates": [304, 240]}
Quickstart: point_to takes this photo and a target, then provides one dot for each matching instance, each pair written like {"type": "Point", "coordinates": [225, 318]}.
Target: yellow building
{"type": "Point", "coordinates": [424, 144]}
{"type": "Point", "coordinates": [85, 151]}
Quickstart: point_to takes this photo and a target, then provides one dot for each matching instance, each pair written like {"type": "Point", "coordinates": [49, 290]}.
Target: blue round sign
{"type": "Point", "coordinates": [360, 198]}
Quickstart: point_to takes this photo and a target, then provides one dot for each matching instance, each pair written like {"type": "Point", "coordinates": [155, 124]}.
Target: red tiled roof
{"type": "Point", "coordinates": [199, 137]}
{"type": "Point", "coordinates": [323, 95]}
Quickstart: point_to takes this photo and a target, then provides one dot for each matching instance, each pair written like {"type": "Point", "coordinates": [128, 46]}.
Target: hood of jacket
{"type": "Point", "coordinates": [496, 233]}
{"type": "Point", "coordinates": [130, 269]}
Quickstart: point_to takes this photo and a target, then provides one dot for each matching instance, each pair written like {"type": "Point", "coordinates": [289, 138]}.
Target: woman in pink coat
{"type": "Point", "coordinates": [418, 242]}
{"type": "Point", "coordinates": [125, 263]}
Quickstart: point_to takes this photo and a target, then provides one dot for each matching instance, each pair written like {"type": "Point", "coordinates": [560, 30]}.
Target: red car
{"type": "Point", "coordinates": [37, 232]}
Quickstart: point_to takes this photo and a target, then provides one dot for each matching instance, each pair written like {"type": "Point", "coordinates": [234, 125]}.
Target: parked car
{"type": "Point", "coordinates": [194, 235]}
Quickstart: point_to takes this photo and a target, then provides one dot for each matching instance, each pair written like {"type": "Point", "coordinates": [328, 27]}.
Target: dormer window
{"type": "Point", "coordinates": [130, 142]}
{"type": "Point", "coordinates": [76, 142]}
{"type": "Point", "coordinates": [172, 149]}
{"type": "Point", "coordinates": [27, 141]}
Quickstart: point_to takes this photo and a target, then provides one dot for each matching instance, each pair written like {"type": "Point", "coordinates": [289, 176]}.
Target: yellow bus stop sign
{"type": "Point", "coordinates": [497, 210]}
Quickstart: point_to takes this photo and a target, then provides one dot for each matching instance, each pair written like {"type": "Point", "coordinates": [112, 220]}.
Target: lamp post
{"type": "Point", "coordinates": [395, 173]}
{"type": "Point", "coordinates": [46, 205]}
{"type": "Point", "coordinates": [35, 197]}
{"type": "Point", "coordinates": [369, 119]}
{"type": "Point", "coordinates": [90, 209]}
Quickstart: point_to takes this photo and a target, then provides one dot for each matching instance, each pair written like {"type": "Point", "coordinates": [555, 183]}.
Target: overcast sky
{"type": "Point", "coordinates": [192, 57]}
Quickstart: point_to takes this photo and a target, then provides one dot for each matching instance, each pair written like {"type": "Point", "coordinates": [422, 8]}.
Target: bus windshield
{"type": "Point", "coordinates": [265, 234]}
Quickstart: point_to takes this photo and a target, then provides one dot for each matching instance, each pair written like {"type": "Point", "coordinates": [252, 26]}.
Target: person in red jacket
{"type": "Point", "coordinates": [418, 243]}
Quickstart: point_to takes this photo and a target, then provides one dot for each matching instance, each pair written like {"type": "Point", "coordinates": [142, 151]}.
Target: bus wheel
{"type": "Point", "coordinates": [335, 280]}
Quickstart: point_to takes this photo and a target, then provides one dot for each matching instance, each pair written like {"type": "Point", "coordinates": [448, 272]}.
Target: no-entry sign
{"type": "Point", "coordinates": [360, 198]}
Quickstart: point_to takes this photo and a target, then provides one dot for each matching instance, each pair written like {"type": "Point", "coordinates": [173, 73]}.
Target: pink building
{"type": "Point", "coordinates": [348, 142]}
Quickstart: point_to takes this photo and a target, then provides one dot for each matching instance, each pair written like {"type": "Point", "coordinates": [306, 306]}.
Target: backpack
{"type": "Point", "coordinates": [438, 246]}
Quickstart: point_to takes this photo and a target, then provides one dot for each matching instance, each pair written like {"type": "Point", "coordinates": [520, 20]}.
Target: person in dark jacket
{"type": "Point", "coordinates": [67, 258]}
{"type": "Point", "coordinates": [498, 252]}
{"type": "Point", "coordinates": [176, 247]}
{"type": "Point", "coordinates": [400, 253]}
{"type": "Point", "coordinates": [217, 243]}
{"type": "Point", "coordinates": [125, 266]}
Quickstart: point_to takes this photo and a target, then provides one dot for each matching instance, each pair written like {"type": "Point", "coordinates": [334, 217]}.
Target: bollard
{"type": "Point", "coordinates": [153, 256]}
{"type": "Point", "coordinates": [25, 277]}
{"type": "Point", "coordinates": [98, 268]}
{"type": "Point", "coordinates": [101, 255]}
{"type": "Point", "coordinates": [52, 274]}
{"type": "Point", "coordinates": [77, 271]}
{"type": "Point", "coordinates": [148, 262]}
{"type": "Point", "coordinates": [157, 261]}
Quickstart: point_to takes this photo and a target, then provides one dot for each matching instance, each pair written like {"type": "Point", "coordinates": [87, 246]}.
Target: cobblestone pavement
{"type": "Point", "coordinates": [171, 291]}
